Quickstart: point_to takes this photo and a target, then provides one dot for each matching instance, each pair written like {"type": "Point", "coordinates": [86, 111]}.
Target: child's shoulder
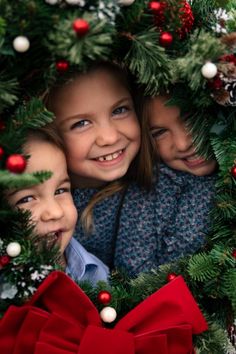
{"type": "Point", "coordinates": [166, 174]}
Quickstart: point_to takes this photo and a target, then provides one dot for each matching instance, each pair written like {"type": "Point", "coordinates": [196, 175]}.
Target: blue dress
{"type": "Point", "coordinates": [141, 230]}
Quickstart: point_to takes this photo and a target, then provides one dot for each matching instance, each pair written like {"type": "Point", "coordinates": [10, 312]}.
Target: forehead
{"type": "Point", "coordinates": [44, 155]}
{"type": "Point", "coordinates": [160, 112]}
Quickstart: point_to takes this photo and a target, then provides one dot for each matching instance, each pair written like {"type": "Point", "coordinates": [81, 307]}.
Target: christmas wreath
{"type": "Point", "coordinates": [190, 44]}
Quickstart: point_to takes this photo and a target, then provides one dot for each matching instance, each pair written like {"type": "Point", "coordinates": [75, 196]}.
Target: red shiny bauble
{"type": "Point", "coordinates": [16, 163]}
{"type": "Point", "coordinates": [166, 39]}
{"type": "Point", "coordinates": [4, 260]}
{"type": "Point", "coordinates": [233, 171]}
{"type": "Point", "coordinates": [234, 253]}
{"type": "Point", "coordinates": [1, 152]}
{"type": "Point", "coordinates": [171, 276]}
{"type": "Point", "coordinates": [104, 297]}
{"type": "Point", "coordinates": [81, 27]}
{"type": "Point", "coordinates": [155, 7]}
{"type": "Point", "coordinates": [62, 66]}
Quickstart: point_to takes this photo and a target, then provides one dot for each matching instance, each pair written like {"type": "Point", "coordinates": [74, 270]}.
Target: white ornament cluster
{"type": "Point", "coordinates": [222, 17]}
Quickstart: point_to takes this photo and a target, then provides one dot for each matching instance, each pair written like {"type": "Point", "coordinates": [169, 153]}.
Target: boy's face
{"type": "Point", "coordinates": [97, 121]}
{"type": "Point", "coordinates": [50, 203]}
{"type": "Point", "coordinates": [172, 140]}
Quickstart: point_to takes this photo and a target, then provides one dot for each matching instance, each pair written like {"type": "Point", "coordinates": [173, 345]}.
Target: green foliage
{"type": "Point", "coordinates": [149, 62]}
{"type": "Point", "coordinates": [203, 48]}
{"type": "Point", "coordinates": [96, 44]}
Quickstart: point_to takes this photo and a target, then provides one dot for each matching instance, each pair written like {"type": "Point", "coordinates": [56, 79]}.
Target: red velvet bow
{"type": "Point", "coordinates": [60, 319]}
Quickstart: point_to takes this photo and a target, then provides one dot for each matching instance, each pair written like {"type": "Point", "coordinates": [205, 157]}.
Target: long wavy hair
{"type": "Point", "coordinates": [140, 170]}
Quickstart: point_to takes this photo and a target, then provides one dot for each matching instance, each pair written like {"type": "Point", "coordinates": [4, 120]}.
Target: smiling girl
{"type": "Point", "coordinates": [139, 220]}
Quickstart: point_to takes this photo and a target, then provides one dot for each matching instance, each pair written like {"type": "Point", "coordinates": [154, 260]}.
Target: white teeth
{"type": "Point", "coordinates": [109, 157]}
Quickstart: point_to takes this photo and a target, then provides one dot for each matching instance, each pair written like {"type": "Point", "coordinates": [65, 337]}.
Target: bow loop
{"type": "Point", "coordinates": [60, 319]}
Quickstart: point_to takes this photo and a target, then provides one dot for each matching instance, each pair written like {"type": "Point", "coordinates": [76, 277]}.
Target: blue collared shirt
{"type": "Point", "coordinates": [82, 265]}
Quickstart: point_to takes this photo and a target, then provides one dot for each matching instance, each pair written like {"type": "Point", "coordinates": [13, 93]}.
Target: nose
{"type": "Point", "coordinates": [182, 140]}
{"type": "Point", "coordinates": [107, 134]}
{"type": "Point", "coordinates": [52, 210]}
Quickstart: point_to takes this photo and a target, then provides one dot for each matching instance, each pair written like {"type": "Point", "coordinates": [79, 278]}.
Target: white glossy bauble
{"type": "Point", "coordinates": [13, 249]}
{"type": "Point", "coordinates": [209, 70]}
{"type": "Point", "coordinates": [108, 314]}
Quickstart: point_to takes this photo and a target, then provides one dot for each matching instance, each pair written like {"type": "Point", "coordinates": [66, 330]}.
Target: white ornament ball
{"type": "Point", "coordinates": [209, 70]}
{"type": "Point", "coordinates": [52, 2]}
{"type": "Point", "coordinates": [76, 2]}
{"type": "Point", "coordinates": [13, 249]}
{"type": "Point", "coordinates": [125, 2]}
{"type": "Point", "coordinates": [108, 314]}
{"type": "Point", "coordinates": [21, 44]}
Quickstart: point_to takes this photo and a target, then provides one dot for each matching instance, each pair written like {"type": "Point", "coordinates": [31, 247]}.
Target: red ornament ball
{"type": "Point", "coordinates": [62, 66]}
{"type": "Point", "coordinates": [4, 260]}
{"type": "Point", "coordinates": [233, 171]}
{"type": "Point", "coordinates": [16, 163]}
{"type": "Point", "coordinates": [1, 152]}
{"type": "Point", "coordinates": [171, 276]}
{"type": "Point", "coordinates": [81, 27]}
{"type": "Point", "coordinates": [104, 297]}
{"type": "Point", "coordinates": [155, 7]}
{"type": "Point", "coordinates": [234, 253]}
{"type": "Point", "coordinates": [166, 39]}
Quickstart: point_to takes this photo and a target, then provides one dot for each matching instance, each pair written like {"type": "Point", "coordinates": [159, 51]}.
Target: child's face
{"type": "Point", "coordinates": [97, 121]}
{"type": "Point", "coordinates": [50, 203]}
{"type": "Point", "coordinates": [172, 140]}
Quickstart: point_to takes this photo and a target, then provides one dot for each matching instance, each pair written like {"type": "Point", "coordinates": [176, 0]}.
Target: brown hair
{"type": "Point", "coordinates": [140, 170]}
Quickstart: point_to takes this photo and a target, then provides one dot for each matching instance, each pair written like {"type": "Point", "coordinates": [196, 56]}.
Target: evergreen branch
{"type": "Point", "coordinates": [18, 181]}
{"type": "Point", "coordinates": [32, 115]}
{"type": "Point", "coordinates": [213, 341]}
{"type": "Point", "coordinates": [204, 47]}
{"type": "Point", "coordinates": [96, 44]}
{"type": "Point", "coordinates": [8, 91]}
{"type": "Point", "coordinates": [226, 206]}
{"type": "Point", "coordinates": [201, 267]}
{"type": "Point", "coordinates": [229, 284]}
{"type": "Point", "coordinates": [149, 62]}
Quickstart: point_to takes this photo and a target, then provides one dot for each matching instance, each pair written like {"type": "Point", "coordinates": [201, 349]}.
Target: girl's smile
{"type": "Point", "coordinates": [173, 141]}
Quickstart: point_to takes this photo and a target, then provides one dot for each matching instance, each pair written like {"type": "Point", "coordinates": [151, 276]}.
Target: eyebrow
{"type": "Point", "coordinates": [84, 115]}
{"type": "Point", "coordinates": [64, 180]}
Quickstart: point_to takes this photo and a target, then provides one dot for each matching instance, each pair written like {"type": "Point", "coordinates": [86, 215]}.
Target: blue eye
{"type": "Point", "coordinates": [80, 124]}
{"type": "Point", "coordinates": [25, 200]}
{"type": "Point", "coordinates": [120, 110]}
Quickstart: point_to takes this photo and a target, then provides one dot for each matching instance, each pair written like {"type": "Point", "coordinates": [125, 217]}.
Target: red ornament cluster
{"type": "Point", "coordinates": [81, 27]}
{"type": "Point", "coordinates": [164, 12]}
{"type": "Point", "coordinates": [104, 297]}
{"type": "Point", "coordinates": [16, 163]}
{"type": "Point", "coordinates": [234, 253]}
{"type": "Point", "coordinates": [186, 19]}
